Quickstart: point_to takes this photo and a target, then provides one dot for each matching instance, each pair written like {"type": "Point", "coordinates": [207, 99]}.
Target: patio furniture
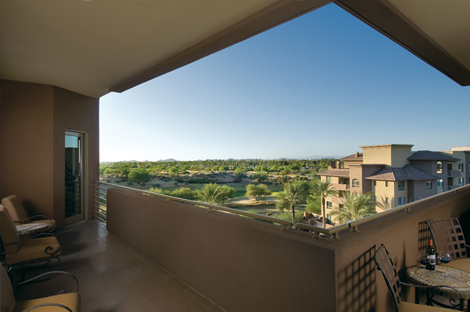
{"type": "Point", "coordinates": [19, 216]}
{"type": "Point", "coordinates": [448, 237]}
{"type": "Point", "coordinates": [384, 263]}
{"type": "Point", "coordinates": [456, 282]}
{"type": "Point", "coordinates": [17, 251]}
{"type": "Point", "coordinates": [63, 302]}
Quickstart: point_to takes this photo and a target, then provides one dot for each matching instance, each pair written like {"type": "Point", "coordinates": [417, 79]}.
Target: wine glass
{"type": "Point", "coordinates": [423, 259]}
{"type": "Point", "coordinates": [444, 256]}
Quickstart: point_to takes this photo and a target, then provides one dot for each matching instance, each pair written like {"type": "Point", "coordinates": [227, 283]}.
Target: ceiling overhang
{"type": "Point", "coordinates": [94, 47]}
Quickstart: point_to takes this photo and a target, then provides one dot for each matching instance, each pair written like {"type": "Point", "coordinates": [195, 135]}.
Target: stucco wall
{"type": "Point", "coordinates": [33, 121]}
{"type": "Point", "coordinates": [241, 264]}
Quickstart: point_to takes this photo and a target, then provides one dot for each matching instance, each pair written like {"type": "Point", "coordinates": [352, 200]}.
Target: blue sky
{"type": "Point", "coordinates": [320, 85]}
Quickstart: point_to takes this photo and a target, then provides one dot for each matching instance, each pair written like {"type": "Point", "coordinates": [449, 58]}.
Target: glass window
{"type": "Point", "coordinates": [401, 185]}
{"type": "Point", "coordinates": [439, 167]}
{"type": "Point", "coordinates": [401, 200]}
{"type": "Point", "coordinates": [449, 167]}
{"type": "Point", "coordinates": [375, 198]}
{"type": "Point", "coordinates": [440, 184]}
{"type": "Point", "coordinates": [375, 183]}
{"type": "Point", "coordinates": [429, 185]}
{"type": "Point", "coordinates": [355, 183]}
{"type": "Point", "coordinates": [386, 183]}
{"type": "Point", "coordinates": [328, 179]}
{"type": "Point", "coordinates": [461, 167]}
{"type": "Point", "coordinates": [329, 205]}
{"type": "Point", "coordinates": [387, 201]}
{"type": "Point", "coordinates": [460, 181]}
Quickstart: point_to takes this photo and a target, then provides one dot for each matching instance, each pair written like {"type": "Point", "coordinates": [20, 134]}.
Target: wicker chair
{"type": "Point", "coordinates": [384, 263]}
{"type": "Point", "coordinates": [448, 237]}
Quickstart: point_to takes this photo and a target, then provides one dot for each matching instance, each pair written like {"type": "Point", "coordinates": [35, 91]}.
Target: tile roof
{"type": "Point", "coordinates": [428, 155]}
{"type": "Point", "coordinates": [335, 173]}
{"type": "Point", "coordinates": [408, 172]}
{"type": "Point", "coordinates": [356, 156]}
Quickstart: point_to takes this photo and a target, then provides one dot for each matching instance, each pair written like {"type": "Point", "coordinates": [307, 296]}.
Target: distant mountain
{"type": "Point", "coordinates": [167, 160]}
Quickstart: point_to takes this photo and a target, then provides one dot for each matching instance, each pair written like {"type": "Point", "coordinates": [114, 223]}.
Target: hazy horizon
{"type": "Point", "coordinates": [322, 84]}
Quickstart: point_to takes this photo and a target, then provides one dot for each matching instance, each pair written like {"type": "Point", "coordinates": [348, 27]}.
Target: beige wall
{"type": "Point", "coordinates": [245, 265]}
{"type": "Point", "coordinates": [33, 121]}
{"type": "Point", "coordinates": [394, 155]}
{"type": "Point", "coordinates": [241, 264]}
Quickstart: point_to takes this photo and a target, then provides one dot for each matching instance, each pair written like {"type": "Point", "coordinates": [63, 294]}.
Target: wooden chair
{"type": "Point", "coordinates": [384, 263]}
{"type": "Point", "coordinates": [17, 251]}
{"type": "Point", "coordinates": [448, 237]}
{"type": "Point", "coordinates": [59, 303]}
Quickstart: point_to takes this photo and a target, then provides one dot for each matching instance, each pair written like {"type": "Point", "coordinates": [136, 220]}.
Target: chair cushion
{"type": "Point", "coordinates": [33, 249]}
{"type": "Point", "coordinates": [460, 264]}
{"type": "Point", "coordinates": [52, 224]}
{"type": "Point", "coordinates": [14, 207]}
{"type": "Point", "coordinates": [411, 307]}
{"type": "Point", "coordinates": [7, 302]}
{"type": "Point", "coordinates": [8, 231]}
{"type": "Point", "coordinates": [71, 300]}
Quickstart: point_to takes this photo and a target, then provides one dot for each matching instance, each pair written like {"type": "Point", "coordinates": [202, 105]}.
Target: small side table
{"type": "Point", "coordinates": [442, 275]}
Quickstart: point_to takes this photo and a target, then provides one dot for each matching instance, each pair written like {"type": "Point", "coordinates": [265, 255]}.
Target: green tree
{"type": "Point", "coordinates": [322, 190]}
{"type": "Point", "coordinates": [285, 171]}
{"type": "Point", "coordinates": [257, 191]}
{"type": "Point", "coordinates": [383, 203]}
{"type": "Point", "coordinates": [313, 204]}
{"type": "Point", "coordinates": [139, 175]}
{"type": "Point", "coordinates": [185, 192]}
{"type": "Point", "coordinates": [215, 194]}
{"type": "Point", "coordinates": [295, 192]}
{"type": "Point", "coordinates": [260, 176]}
{"type": "Point", "coordinates": [173, 170]}
{"type": "Point", "coordinates": [239, 173]}
{"type": "Point", "coordinates": [355, 207]}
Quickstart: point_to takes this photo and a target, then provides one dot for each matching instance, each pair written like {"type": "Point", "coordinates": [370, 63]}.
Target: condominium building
{"type": "Point", "coordinates": [396, 175]}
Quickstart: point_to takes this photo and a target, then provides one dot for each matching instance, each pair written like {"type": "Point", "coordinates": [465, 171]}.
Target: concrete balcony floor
{"type": "Point", "coordinates": [113, 276]}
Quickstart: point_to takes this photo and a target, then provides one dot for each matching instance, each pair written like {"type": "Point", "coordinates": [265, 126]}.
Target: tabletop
{"type": "Point", "coordinates": [442, 275]}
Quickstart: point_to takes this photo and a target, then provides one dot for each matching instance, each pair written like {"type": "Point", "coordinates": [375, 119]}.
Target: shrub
{"type": "Point", "coordinates": [143, 184]}
{"type": "Point", "coordinates": [176, 183]}
{"type": "Point", "coordinates": [156, 184]}
{"type": "Point", "coordinates": [288, 216]}
{"type": "Point", "coordinates": [129, 182]}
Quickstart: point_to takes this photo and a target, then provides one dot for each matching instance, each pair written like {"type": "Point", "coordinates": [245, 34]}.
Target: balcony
{"type": "Point", "coordinates": [228, 258]}
{"type": "Point", "coordinates": [114, 276]}
{"type": "Point", "coordinates": [340, 186]}
{"type": "Point", "coordinates": [453, 173]}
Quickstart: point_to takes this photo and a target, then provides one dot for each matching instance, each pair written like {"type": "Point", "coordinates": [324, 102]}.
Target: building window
{"type": "Point", "coordinates": [386, 183]}
{"type": "Point", "coordinates": [439, 167]}
{"type": "Point", "coordinates": [440, 184]}
{"type": "Point", "coordinates": [375, 183]}
{"type": "Point", "coordinates": [401, 200]}
{"type": "Point", "coordinates": [329, 205]}
{"type": "Point", "coordinates": [429, 185]}
{"type": "Point", "coordinates": [460, 181]}
{"type": "Point", "coordinates": [375, 198]}
{"type": "Point", "coordinates": [449, 167]}
{"type": "Point", "coordinates": [387, 201]}
{"type": "Point", "coordinates": [355, 183]}
{"type": "Point", "coordinates": [328, 179]}
{"type": "Point", "coordinates": [461, 167]}
{"type": "Point", "coordinates": [401, 185]}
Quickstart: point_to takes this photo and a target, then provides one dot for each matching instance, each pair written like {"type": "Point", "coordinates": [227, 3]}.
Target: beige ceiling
{"type": "Point", "coordinates": [94, 47]}
{"type": "Point", "coordinates": [89, 46]}
{"type": "Point", "coordinates": [445, 22]}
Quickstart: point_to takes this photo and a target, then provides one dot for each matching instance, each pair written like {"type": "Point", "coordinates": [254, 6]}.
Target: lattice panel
{"type": "Point", "coordinates": [448, 236]}
{"type": "Point", "coordinates": [385, 264]}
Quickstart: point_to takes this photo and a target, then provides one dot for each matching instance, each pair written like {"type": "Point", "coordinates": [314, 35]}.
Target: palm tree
{"type": "Point", "coordinates": [212, 194]}
{"type": "Point", "coordinates": [355, 207]}
{"type": "Point", "coordinates": [383, 203]}
{"type": "Point", "coordinates": [294, 192]}
{"type": "Point", "coordinates": [323, 189]}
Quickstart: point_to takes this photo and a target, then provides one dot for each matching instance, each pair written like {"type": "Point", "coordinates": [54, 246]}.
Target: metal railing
{"type": "Point", "coordinates": [101, 207]}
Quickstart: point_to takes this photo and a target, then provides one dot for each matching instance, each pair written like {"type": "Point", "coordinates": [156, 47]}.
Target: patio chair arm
{"type": "Point", "coordinates": [49, 305]}
{"type": "Point", "coordinates": [434, 286]}
{"type": "Point", "coordinates": [50, 276]}
{"type": "Point", "coordinates": [43, 234]}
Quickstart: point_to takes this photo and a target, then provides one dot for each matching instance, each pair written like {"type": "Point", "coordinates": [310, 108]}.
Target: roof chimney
{"type": "Point", "coordinates": [356, 155]}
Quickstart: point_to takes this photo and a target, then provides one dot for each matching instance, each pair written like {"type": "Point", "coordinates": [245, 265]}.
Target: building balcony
{"type": "Point", "coordinates": [156, 254]}
{"type": "Point", "coordinates": [453, 173]}
{"type": "Point", "coordinates": [340, 186]}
